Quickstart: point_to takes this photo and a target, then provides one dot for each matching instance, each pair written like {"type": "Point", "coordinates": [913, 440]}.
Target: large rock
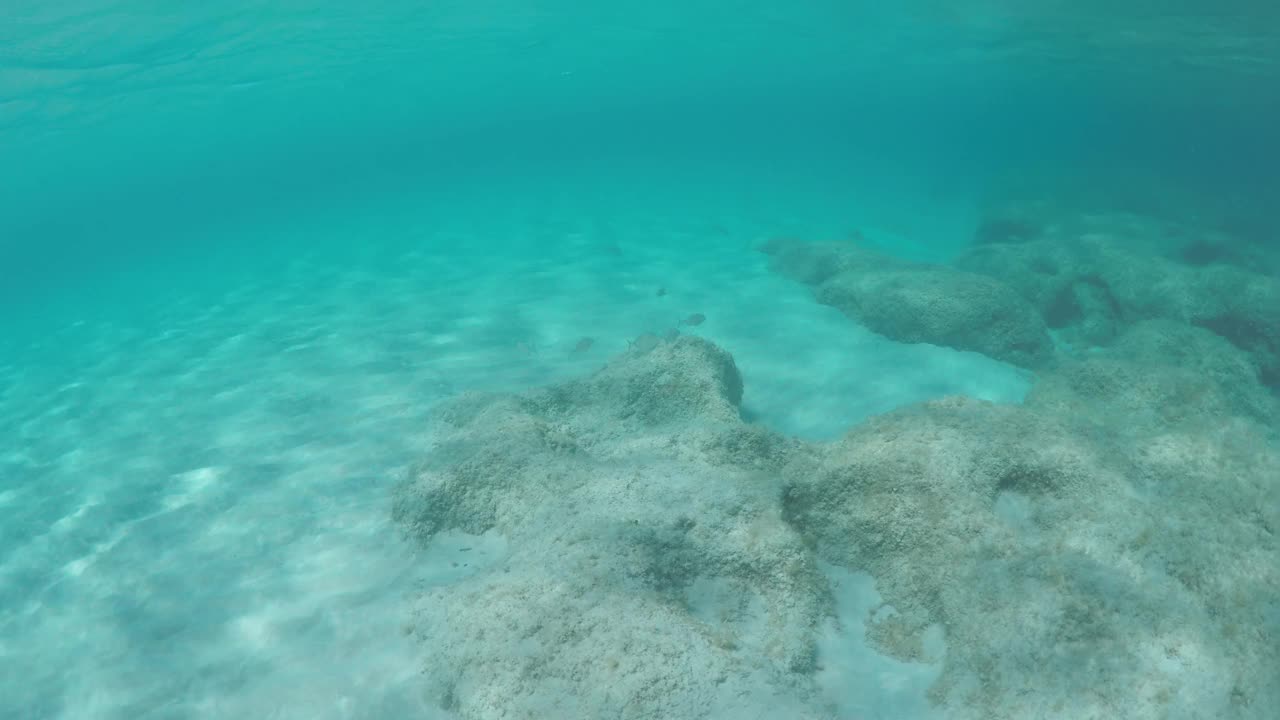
{"type": "Point", "coordinates": [1107, 550]}
{"type": "Point", "coordinates": [1071, 578]}
{"type": "Point", "coordinates": [1091, 287]}
{"type": "Point", "coordinates": [650, 573]}
{"type": "Point", "coordinates": [1159, 373]}
{"type": "Point", "coordinates": [1195, 240]}
{"type": "Point", "coordinates": [917, 303]}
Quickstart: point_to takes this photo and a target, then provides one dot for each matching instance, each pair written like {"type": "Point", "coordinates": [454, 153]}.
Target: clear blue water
{"type": "Point", "coordinates": [251, 250]}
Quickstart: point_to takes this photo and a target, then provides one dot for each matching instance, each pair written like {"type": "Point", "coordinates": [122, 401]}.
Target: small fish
{"type": "Point", "coordinates": [662, 291]}
{"type": "Point", "coordinates": [694, 319]}
{"type": "Point", "coordinates": [525, 348]}
{"type": "Point", "coordinates": [583, 345]}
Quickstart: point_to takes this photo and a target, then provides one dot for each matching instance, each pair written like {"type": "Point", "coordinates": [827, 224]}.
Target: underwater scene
{"type": "Point", "coordinates": [516, 359]}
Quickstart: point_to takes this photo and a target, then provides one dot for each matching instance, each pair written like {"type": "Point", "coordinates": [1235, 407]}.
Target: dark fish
{"type": "Point", "coordinates": [662, 291]}
{"type": "Point", "coordinates": [583, 345]}
{"type": "Point", "coordinates": [695, 319]}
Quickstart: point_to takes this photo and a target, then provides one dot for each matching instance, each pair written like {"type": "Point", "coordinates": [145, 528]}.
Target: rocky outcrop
{"type": "Point", "coordinates": [1108, 549]}
{"type": "Point", "coordinates": [650, 572]}
{"type": "Point", "coordinates": [918, 303]}
{"type": "Point", "coordinates": [1071, 576]}
{"type": "Point", "coordinates": [1090, 287]}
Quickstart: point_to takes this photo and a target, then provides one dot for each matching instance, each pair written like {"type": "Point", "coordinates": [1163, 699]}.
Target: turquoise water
{"type": "Point", "coordinates": [505, 359]}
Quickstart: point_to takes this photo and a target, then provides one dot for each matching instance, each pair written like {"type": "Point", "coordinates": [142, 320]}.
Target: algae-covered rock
{"type": "Point", "coordinates": [1109, 549]}
{"type": "Point", "coordinates": [919, 303]}
{"type": "Point", "coordinates": [650, 573]}
{"type": "Point", "coordinates": [1159, 373]}
{"type": "Point", "coordinates": [1091, 287]}
{"type": "Point", "coordinates": [1072, 574]}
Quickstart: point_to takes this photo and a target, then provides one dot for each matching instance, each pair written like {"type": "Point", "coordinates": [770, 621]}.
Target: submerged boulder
{"type": "Point", "coordinates": [650, 573]}
{"type": "Point", "coordinates": [1090, 287]}
{"type": "Point", "coordinates": [918, 303]}
{"type": "Point", "coordinates": [1070, 577]}
{"type": "Point", "coordinates": [1158, 374]}
{"type": "Point", "coordinates": [1108, 549]}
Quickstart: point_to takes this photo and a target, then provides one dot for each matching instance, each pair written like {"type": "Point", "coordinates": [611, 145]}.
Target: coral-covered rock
{"type": "Point", "coordinates": [650, 573]}
{"type": "Point", "coordinates": [1107, 550]}
{"type": "Point", "coordinates": [1186, 241]}
{"type": "Point", "coordinates": [917, 303]}
{"type": "Point", "coordinates": [1159, 373]}
{"type": "Point", "coordinates": [1090, 287]}
{"type": "Point", "coordinates": [1071, 577]}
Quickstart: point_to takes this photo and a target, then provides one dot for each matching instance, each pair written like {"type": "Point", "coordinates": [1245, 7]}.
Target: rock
{"type": "Point", "coordinates": [650, 573]}
{"type": "Point", "coordinates": [917, 303]}
{"type": "Point", "coordinates": [813, 263]}
{"type": "Point", "coordinates": [1008, 225]}
{"type": "Point", "coordinates": [1080, 556]}
{"type": "Point", "coordinates": [1089, 288]}
{"type": "Point", "coordinates": [1072, 576]}
{"type": "Point", "coordinates": [1159, 373]}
